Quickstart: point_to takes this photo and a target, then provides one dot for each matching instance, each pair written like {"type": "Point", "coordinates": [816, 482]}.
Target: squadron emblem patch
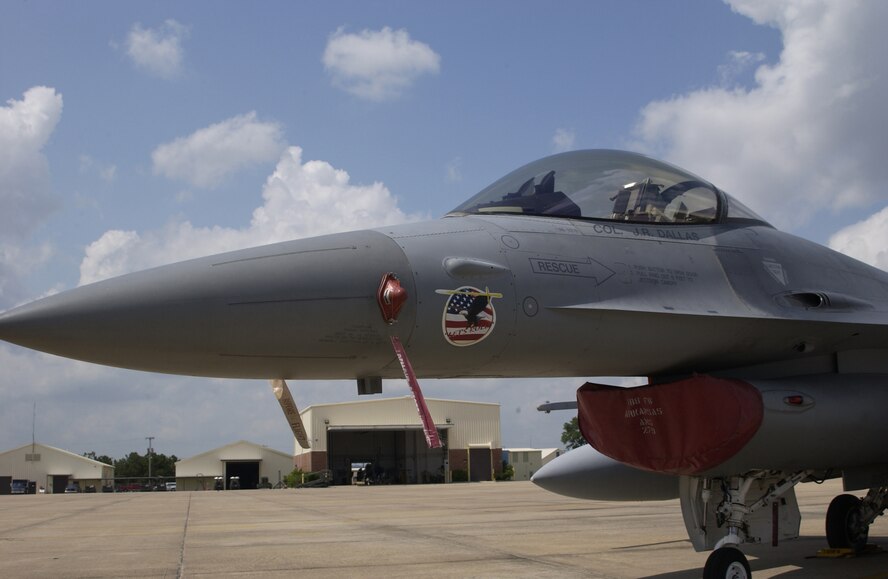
{"type": "Point", "coordinates": [469, 316]}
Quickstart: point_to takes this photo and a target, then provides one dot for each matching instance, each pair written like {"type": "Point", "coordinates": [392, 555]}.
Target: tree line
{"type": "Point", "coordinates": [135, 465]}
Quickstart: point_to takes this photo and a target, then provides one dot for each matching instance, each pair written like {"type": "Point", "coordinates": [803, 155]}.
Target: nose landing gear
{"type": "Point", "coordinates": [727, 563]}
{"type": "Point", "coordinates": [723, 513]}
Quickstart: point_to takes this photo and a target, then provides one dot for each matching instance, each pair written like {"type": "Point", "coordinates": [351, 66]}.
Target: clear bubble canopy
{"type": "Point", "coordinates": [607, 185]}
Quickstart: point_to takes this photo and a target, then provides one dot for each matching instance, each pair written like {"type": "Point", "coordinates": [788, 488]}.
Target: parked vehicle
{"type": "Point", "coordinates": [72, 488]}
{"type": "Point", "coordinates": [130, 488]}
{"type": "Point", "coordinates": [19, 486]}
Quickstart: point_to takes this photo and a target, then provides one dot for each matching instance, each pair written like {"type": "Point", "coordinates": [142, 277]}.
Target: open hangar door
{"type": "Point", "coordinates": [246, 470]}
{"type": "Point", "coordinates": [396, 455]}
{"type": "Point", "coordinates": [59, 482]}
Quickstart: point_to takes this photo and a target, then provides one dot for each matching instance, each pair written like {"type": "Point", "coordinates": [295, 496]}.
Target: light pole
{"type": "Point", "coordinates": [150, 450]}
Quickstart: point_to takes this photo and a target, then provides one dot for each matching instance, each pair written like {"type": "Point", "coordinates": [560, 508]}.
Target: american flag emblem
{"type": "Point", "coordinates": [468, 315]}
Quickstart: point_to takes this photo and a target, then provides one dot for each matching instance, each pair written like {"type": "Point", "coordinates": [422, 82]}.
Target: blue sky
{"type": "Point", "coordinates": [138, 134]}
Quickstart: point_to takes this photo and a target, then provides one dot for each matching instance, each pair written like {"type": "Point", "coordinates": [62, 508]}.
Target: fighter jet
{"type": "Point", "coordinates": [766, 355]}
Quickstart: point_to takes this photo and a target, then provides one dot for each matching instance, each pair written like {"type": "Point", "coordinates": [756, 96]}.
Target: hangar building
{"type": "Point", "coordinates": [52, 468]}
{"type": "Point", "coordinates": [248, 461]}
{"type": "Point", "coordinates": [387, 434]}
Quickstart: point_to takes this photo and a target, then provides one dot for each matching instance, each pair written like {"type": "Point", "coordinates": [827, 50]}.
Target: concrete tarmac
{"type": "Point", "coordinates": [509, 529]}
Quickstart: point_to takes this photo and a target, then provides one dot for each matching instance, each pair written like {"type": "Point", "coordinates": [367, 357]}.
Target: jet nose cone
{"type": "Point", "coordinates": [7, 326]}
{"type": "Point", "coordinates": [563, 471]}
{"type": "Point", "coordinates": [8, 323]}
{"type": "Point", "coordinates": [300, 309]}
{"type": "Point", "coordinates": [69, 324]}
{"type": "Point", "coordinates": [36, 324]}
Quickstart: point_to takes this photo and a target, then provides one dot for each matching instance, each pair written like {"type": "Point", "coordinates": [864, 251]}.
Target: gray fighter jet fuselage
{"type": "Point", "coordinates": [622, 292]}
{"type": "Point", "coordinates": [580, 264]}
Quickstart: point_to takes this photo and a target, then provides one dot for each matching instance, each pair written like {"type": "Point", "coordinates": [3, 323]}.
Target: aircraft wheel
{"type": "Point", "coordinates": [844, 529]}
{"type": "Point", "coordinates": [727, 563]}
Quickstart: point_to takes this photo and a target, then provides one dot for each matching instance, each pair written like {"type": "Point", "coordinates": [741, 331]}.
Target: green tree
{"type": "Point", "coordinates": [101, 457]}
{"type": "Point", "coordinates": [132, 465]}
{"type": "Point", "coordinates": [571, 436]}
{"type": "Point", "coordinates": [295, 478]}
{"type": "Point", "coordinates": [136, 465]}
{"type": "Point", "coordinates": [163, 465]}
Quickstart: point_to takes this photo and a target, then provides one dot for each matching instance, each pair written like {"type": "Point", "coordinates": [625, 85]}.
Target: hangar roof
{"type": "Point", "coordinates": [240, 450]}
{"type": "Point", "coordinates": [210, 463]}
{"type": "Point", "coordinates": [389, 401]}
{"type": "Point", "coordinates": [46, 448]}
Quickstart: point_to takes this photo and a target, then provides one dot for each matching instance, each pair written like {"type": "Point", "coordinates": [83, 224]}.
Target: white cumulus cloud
{"type": "Point", "coordinates": [378, 64]}
{"type": "Point", "coordinates": [563, 140]}
{"type": "Point", "coordinates": [26, 197]}
{"type": "Point", "coordinates": [739, 61]}
{"type": "Point", "coordinates": [300, 199]}
{"type": "Point", "coordinates": [313, 198]}
{"type": "Point", "coordinates": [25, 127]}
{"type": "Point", "coordinates": [866, 240]}
{"type": "Point", "coordinates": [809, 136]}
{"type": "Point", "coordinates": [106, 172]}
{"type": "Point", "coordinates": [158, 50]}
{"type": "Point", "coordinates": [209, 155]}
{"type": "Point", "coordinates": [454, 170]}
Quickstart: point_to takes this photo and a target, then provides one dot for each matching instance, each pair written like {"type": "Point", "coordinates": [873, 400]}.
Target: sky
{"type": "Point", "coordinates": [137, 134]}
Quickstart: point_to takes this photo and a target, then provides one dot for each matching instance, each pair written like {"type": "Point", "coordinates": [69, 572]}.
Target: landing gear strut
{"type": "Point", "coordinates": [848, 518]}
{"type": "Point", "coordinates": [724, 513]}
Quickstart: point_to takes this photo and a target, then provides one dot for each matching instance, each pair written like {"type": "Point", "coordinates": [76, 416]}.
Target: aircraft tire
{"type": "Point", "coordinates": [727, 563]}
{"type": "Point", "coordinates": [843, 527]}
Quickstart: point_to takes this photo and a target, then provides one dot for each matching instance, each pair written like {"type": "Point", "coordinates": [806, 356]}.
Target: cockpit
{"type": "Point", "coordinates": [607, 185]}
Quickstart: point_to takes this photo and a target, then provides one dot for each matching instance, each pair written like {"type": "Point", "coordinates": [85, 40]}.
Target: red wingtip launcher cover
{"type": "Point", "coordinates": [684, 427]}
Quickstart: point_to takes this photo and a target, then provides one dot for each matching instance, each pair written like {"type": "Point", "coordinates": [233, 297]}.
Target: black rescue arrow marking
{"type": "Point", "coordinates": [589, 269]}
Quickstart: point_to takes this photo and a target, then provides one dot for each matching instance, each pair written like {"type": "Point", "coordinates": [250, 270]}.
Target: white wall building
{"type": "Point", "coordinates": [526, 461]}
{"type": "Point", "coordinates": [52, 469]}
{"type": "Point", "coordinates": [249, 462]}
{"type": "Point", "coordinates": [387, 433]}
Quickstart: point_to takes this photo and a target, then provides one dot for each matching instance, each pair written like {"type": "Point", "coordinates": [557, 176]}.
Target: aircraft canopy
{"type": "Point", "coordinates": [608, 185]}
